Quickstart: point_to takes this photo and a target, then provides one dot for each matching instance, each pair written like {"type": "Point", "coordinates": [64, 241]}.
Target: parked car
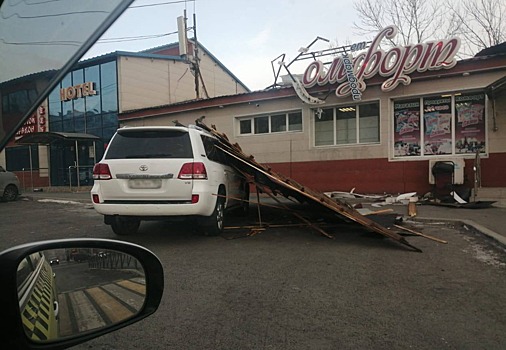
{"type": "Point", "coordinates": [35, 277]}
{"type": "Point", "coordinates": [156, 173]}
{"type": "Point", "coordinates": [9, 185]}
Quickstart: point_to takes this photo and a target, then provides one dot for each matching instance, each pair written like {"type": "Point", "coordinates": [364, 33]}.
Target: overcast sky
{"type": "Point", "coordinates": [245, 35]}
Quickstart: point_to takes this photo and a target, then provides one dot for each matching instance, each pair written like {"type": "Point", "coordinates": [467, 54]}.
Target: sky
{"type": "Point", "coordinates": [245, 35]}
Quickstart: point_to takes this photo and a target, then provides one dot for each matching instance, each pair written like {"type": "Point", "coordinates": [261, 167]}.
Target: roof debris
{"type": "Point", "coordinates": [273, 184]}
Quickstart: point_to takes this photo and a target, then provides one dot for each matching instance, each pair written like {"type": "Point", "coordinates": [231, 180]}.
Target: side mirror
{"type": "Point", "coordinates": [60, 293]}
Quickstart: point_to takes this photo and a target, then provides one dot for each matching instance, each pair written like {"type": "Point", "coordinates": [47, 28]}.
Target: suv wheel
{"type": "Point", "coordinates": [123, 226]}
{"type": "Point", "coordinates": [216, 220]}
{"type": "Point", "coordinates": [10, 193]}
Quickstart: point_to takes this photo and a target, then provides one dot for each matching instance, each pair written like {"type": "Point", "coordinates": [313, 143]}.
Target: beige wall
{"type": "Point", "coordinates": [299, 146]}
{"type": "Point", "coordinates": [497, 129]}
{"type": "Point", "coordinates": [146, 82]}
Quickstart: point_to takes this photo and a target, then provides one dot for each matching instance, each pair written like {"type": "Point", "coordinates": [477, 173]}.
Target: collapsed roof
{"type": "Point", "coordinates": [266, 179]}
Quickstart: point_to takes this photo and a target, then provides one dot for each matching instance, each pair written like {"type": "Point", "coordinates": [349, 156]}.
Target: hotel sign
{"type": "Point", "coordinates": [395, 64]}
{"type": "Point", "coordinates": [77, 91]}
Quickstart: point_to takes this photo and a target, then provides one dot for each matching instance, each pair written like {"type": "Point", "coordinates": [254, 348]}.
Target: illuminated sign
{"type": "Point", "coordinates": [37, 122]}
{"type": "Point", "coordinates": [395, 64]}
{"type": "Point", "coordinates": [77, 91]}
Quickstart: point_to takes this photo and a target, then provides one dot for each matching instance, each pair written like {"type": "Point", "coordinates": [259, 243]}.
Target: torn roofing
{"type": "Point", "coordinates": [279, 184]}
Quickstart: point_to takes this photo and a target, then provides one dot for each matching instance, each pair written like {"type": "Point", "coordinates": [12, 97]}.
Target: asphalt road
{"type": "Point", "coordinates": [291, 288]}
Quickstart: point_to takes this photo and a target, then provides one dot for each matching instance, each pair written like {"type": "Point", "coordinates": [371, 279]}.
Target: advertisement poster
{"type": "Point", "coordinates": [407, 128]}
{"type": "Point", "coordinates": [470, 128]}
{"type": "Point", "coordinates": [437, 115]}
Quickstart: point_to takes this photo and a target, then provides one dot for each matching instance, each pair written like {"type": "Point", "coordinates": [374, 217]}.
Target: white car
{"type": "Point", "coordinates": [9, 185]}
{"type": "Point", "coordinates": [157, 173]}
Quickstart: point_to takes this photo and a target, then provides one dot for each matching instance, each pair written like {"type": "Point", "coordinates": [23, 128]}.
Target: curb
{"type": "Point", "coordinates": [480, 228]}
{"type": "Point", "coordinates": [56, 199]}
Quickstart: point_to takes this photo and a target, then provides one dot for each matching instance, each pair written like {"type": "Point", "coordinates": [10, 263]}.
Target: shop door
{"type": "Point", "coordinates": [66, 169]}
{"type": "Point", "coordinates": [62, 158]}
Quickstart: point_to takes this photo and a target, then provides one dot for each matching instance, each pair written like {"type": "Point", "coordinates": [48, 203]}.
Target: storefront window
{"type": "Point", "coordinates": [470, 125]}
{"type": "Point", "coordinates": [347, 125]}
{"type": "Point", "coordinates": [55, 106]}
{"type": "Point", "coordinates": [437, 116]}
{"type": "Point", "coordinates": [295, 121]}
{"type": "Point", "coordinates": [261, 125]}
{"type": "Point", "coordinates": [82, 114]}
{"type": "Point", "coordinates": [445, 130]}
{"type": "Point", "coordinates": [19, 159]}
{"type": "Point", "coordinates": [109, 87]}
{"type": "Point", "coordinates": [279, 122]}
{"type": "Point", "coordinates": [368, 121]}
{"type": "Point", "coordinates": [92, 74]}
{"type": "Point", "coordinates": [245, 126]}
{"type": "Point", "coordinates": [324, 127]}
{"type": "Point", "coordinates": [78, 78]}
{"type": "Point", "coordinates": [407, 128]}
{"type": "Point", "coordinates": [67, 105]}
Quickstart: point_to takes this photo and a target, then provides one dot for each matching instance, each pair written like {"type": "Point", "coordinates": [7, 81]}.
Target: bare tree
{"type": "Point", "coordinates": [417, 20]}
{"type": "Point", "coordinates": [483, 23]}
{"type": "Point", "coordinates": [479, 23]}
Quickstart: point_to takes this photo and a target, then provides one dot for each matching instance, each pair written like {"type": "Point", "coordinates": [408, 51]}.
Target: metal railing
{"type": "Point", "coordinates": [30, 172]}
{"type": "Point", "coordinates": [83, 175]}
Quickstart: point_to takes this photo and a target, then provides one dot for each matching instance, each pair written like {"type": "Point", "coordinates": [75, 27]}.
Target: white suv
{"type": "Point", "coordinates": [157, 173]}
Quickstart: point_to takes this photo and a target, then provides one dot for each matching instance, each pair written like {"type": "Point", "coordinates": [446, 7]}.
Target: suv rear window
{"type": "Point", "coordinates": [150, 144]}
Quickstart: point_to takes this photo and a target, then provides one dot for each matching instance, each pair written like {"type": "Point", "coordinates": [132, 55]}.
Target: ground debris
{"type": "Point", "coordinates": [273, 184]}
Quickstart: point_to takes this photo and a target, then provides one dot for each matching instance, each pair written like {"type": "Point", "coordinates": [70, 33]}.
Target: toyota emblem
{"type": "Point", "coordinates": [143, 168]}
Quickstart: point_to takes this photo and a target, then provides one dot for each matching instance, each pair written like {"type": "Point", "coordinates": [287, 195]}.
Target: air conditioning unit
{"type": "Point", "coordinates": [458, 169]}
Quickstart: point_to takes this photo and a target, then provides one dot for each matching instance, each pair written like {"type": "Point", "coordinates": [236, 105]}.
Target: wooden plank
{"type": "Point", "coordinates": [289, 187]}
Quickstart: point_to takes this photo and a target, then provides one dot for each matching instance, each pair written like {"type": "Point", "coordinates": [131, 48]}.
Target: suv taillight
{"type": "Point", "coordinates": [195, 171]}
{"type": "Point", "coordinates": [101, 172]}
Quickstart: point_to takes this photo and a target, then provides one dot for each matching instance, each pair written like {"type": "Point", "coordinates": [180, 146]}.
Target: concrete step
{"type": "Point", "coordinates": [497, 194]}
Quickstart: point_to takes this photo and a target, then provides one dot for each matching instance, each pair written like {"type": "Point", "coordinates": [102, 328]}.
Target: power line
{"type": "Point", "coordinates": [133, 38]}
{"type": "Point", "coordinates": [162, 3]}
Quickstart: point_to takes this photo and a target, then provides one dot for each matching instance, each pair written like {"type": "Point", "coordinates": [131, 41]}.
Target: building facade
{"type": "Point", "coordinates": [61, 142]}
{"type": "Point", "coordinates": [385, 141]}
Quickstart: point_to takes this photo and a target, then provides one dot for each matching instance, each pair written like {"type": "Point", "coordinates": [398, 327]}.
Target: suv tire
{"type": "Point", "coordinates": [123, 226]}
{"type": "Point", "coordinates": [214, 224]}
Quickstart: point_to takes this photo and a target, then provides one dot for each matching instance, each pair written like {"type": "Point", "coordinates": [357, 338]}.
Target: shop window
{"type": "Point", "coordinates": [93, 121]}
{"type": "Point", "coordinates": [56, 126]}
{"type": "Point", "coordinates": [110, 120]}
{"type": "Point", "coordinates": [470, 123]}
{"type": "Point", "coordinates": [278, 123]}
{"type": "Point", "coordinates": [19, 159]}
{"type": "Point", "coordinates": [245, 126]}
{"type": "Point", "coordinates": [275, 123]}
{"type": "Point", "coordinates": [92, 74]}
{"type": "Point", "coordinates": [85, 113]}
{"type": "Point", "coordinates": [368, 121]}
{"type": "Point", "coordinates": [324, 127]}
{"type": "Point", "coordinates": [79, 124]}
{"type": "Point", "coordinates": [55, 106]}
{"type": "Point", "coordinates": [109, 87]}
{"type": "Point", "coordinates": [19, 101]}
{"type": "Point", "coordinates": [430, 126]}
{"type": "Point", "coordinates": [347, 125]}
{"type": "Point", "coordinates": [261, 125]}
{"type": "Point", "coordinates": [295, 121]}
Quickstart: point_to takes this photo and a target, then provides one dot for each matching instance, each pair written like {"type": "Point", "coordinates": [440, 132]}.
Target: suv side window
{"type": "Point", "coordinates": [211, 152]}
{"type": "Point", "coordinates": [165, 144]}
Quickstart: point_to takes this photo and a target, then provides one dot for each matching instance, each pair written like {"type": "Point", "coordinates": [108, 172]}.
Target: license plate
{"type": "Point", "coordinates": [145, 183]}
